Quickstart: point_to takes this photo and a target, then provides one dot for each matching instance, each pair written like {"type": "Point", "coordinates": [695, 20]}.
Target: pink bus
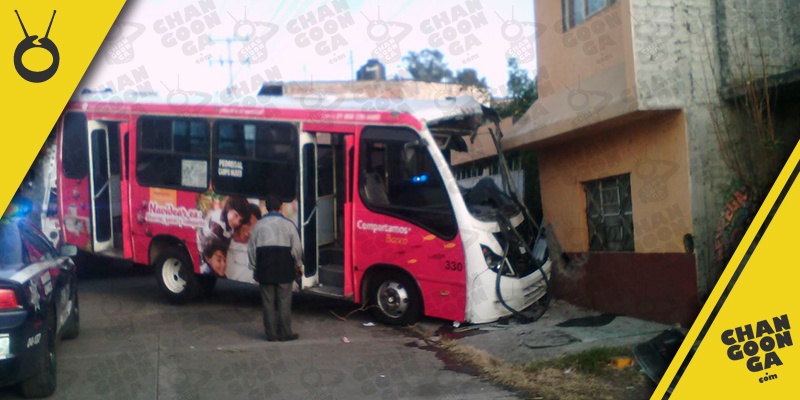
{"type": "Point", "coordinates": [382, 220]}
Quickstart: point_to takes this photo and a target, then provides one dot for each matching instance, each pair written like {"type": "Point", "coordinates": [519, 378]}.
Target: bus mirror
{"type": "Point", "coordinates": [410, 150]}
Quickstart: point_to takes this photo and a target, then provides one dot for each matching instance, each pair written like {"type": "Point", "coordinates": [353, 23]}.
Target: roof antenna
{"type": "Point", "coordinates": [23, 25]}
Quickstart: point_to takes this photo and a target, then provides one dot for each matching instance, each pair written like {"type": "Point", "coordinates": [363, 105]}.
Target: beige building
{"type": "Point", "coordinates": [632, 178]}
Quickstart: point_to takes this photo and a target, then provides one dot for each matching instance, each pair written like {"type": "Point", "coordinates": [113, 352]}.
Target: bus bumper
{"type": "Point", "coordinates": [518, 293]}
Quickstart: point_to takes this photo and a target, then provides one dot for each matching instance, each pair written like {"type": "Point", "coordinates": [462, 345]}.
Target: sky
{"type": "Point", "coordinates": [168, 45]}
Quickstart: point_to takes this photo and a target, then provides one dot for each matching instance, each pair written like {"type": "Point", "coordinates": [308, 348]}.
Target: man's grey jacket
{"type": "Point", "coordinates": [274, 249]}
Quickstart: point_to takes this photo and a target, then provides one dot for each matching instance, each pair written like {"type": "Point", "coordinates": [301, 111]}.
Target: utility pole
{"type": "Point", "coordinates": [229, 61]}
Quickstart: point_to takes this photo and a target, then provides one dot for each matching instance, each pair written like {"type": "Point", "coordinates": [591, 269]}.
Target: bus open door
{"type": "Point", "coordinates": [323, 204]}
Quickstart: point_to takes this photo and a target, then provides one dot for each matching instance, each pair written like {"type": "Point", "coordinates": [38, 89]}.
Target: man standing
{"type": "Point", "coordinates": [276, 257]}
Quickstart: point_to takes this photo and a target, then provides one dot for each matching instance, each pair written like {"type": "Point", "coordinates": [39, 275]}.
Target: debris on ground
{"type": "Point", "coordinates": [345, 339]}
{"type": "Point", "coordinates": [621, 362]}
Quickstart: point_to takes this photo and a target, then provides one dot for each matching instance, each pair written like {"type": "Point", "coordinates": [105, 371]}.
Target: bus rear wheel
{"type": "Point", "coordinates": [396, 300]}
{"type": "Point", "coordinates": [175, 275]}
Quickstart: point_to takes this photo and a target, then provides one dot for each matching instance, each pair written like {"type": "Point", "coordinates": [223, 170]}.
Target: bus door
{"type": "Point", "coordinates": [308, 208]}
{"type": "Point", "coordinates": [323, 202]}
{"type": "Point", "coordinates": [99, 187]}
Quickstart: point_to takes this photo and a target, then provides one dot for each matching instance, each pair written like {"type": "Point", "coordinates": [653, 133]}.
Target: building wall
{"type": "Point", "coordinates": [585, 74]}
{"type": "Point", "coordinates": [658, 280]}
{"type": "Point", "coordinates": [686, 53]}
{"type": "Point", "coordinates": [654, 152]}
{"type": "Point", "coordinates": [750, 27]}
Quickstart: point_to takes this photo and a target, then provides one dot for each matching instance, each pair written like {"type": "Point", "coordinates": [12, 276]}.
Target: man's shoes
{"type": "Point", "coordinates": [289, 338]}
{"type": "Point", "coordinates": [269, 338]}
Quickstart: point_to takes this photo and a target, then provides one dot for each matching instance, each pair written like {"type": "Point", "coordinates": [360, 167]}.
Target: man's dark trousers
{"type": "Point", "coordinates": [275, 272]}
{"type": "Point", "coordinates": [277, 299]}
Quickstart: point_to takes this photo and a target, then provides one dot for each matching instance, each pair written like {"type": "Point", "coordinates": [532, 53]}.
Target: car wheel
{"type": "Point", "coordinates": [396, 300]}
{"type": "Point", "coordinates": [43, 383]}
{"type": "Point", "coordinates": [73, 327]}
{"type": "Point", "coordinates": [176, 277]}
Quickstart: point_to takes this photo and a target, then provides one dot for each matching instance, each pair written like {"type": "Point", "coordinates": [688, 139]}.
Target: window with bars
{"type": "Point", "coordinates": [255, 159]}
{"type": "Point", "coordinates": [577, 11]}
{"type": "Point", "coordinates": [609, 213]}
{"type": "Point", "coordinates": [173, 152]}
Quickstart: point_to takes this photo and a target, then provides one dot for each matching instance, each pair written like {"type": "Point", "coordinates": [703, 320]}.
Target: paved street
{"type": "Point", "coordinates": [134, 345]}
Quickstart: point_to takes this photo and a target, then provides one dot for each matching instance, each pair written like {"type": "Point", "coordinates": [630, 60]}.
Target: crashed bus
{"type": "Point", "coordinates": [380, 215]}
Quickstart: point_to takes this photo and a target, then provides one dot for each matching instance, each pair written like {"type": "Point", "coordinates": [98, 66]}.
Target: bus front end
{"type": "Point", "coordinates": [508, 268]}
{"type": "Point", "coordinates": [505, 250]}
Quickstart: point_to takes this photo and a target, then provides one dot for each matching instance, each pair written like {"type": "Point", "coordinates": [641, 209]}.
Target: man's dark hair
{"type": "Point", "coordinates": [274, 203]}
{"type": "Point", "coordinates": [255, 210]}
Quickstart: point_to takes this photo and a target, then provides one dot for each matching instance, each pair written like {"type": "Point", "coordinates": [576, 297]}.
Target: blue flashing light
{"type": "Point", "coordinates": [420, 178]}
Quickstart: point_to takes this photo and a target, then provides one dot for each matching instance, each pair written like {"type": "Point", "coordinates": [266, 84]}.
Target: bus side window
{"type": "Point", "coordinates": [398, 177]}
{"type": "Point", "coordinates": [75, 146]}
{"type": "Point", "coordinates": [255, 159]}
{"type": "Point", "coordinates": [173, 153]}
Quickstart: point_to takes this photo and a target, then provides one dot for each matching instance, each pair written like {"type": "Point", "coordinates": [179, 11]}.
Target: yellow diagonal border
{"type": "Point", "coordinates": [30, 110]}
{"type": "Point", "coordinates": [766, 287]}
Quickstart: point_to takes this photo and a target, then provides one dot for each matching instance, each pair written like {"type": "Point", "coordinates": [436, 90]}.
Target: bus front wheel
{"type": "Point", "coordinates": [396, 300]}
{"type": "Point", "coordinates": [175, 274]}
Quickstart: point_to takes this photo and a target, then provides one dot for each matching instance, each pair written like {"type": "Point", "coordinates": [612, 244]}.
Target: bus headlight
{"type": "Point", "coordinates": [492, 259]}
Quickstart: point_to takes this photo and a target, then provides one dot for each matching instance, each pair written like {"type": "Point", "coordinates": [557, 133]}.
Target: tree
{"type": "Point", "coordinates": [428, 66]}
{"type": "Point", "coordinates": [521, 89]}
{"type": "Point", "coordinates": [469, 77]}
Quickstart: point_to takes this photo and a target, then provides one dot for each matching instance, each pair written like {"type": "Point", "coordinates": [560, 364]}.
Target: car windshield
{"type": "Point", "coordinates": [11, 244]}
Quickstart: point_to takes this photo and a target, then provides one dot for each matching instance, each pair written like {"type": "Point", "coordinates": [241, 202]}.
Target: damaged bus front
{"type": "Point", "coordinates": [507, 263]}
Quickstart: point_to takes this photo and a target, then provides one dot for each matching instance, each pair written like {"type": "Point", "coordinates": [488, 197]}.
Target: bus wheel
{"type": "Point", "coordinates": [396, 300]}
{"type": "Point", "coordinates": [176, 276]}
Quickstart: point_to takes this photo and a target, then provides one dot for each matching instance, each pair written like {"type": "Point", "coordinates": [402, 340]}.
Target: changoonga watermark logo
{"type": "Point", "coordinates": [521, 36]}
{"type": "Point", "coordinates": [118, 46]}
{"type": "Point", "coordinates": [189, 27]}
{"type": "Point", "coordinates": [323, 29]}
{"type": "Point", "coordinates": [253, 36]}
{"type": "Point", "coordinates": [455, 29]}
{"type": "Point", "coordinates": [767, 338]}
{"type": "Point", "coordinates": [29, 43]}
{"type": "Point", "coordinates": [387, 36]}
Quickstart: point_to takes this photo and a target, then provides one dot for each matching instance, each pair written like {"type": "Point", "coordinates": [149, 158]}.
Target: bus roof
{"type": "Point", "coordinates": [428, 110]}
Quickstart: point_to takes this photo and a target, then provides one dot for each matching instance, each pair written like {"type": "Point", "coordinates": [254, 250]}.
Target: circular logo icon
{"type": "Point", "coordinates": [27, 44]}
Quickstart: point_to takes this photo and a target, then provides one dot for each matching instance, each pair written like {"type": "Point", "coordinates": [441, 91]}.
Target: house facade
{"type": "Point", "coordinates": [632, 176]}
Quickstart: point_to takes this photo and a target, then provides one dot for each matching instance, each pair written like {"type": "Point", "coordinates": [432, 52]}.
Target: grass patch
{"type": "Point", "coordinates": [592, 361]}
{"type": "Point", "coordinates": [590, 377]}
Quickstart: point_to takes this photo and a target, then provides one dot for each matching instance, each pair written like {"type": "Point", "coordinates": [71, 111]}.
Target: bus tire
{"type": "Point", "coordinates": [175, 275]}
{"type": "Point", "coordinates": [395, 300]}
{"type": "Point", "coordinates": [43, 382]}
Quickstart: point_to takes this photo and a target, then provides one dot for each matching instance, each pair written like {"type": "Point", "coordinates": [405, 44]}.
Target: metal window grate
{"type": "Point", "coordinates": [577, 11]}
{"type": "Point", "coordinates": [609, 213]}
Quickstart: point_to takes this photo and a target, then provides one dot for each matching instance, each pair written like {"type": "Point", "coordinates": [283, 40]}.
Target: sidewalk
{"type": "Point", "coordinates": [517, 343]}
